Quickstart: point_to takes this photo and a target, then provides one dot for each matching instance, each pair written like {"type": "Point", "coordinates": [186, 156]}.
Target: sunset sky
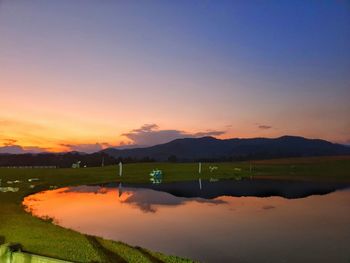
{"type": "Point", "coordinates": [85, 75]}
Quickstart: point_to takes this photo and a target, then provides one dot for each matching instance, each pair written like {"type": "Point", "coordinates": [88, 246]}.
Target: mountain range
{"type": "Point", "coordinates": [186, 150]}
{"type": "Point", "coordinates": [210, 148]}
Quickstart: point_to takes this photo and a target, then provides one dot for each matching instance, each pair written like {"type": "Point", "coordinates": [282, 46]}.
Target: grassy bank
{"type": "Point", "coordinates": [42, 237]}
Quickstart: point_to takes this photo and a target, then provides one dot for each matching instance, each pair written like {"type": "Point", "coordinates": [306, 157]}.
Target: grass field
{"type": "Point", "coordinates": [43, 238]}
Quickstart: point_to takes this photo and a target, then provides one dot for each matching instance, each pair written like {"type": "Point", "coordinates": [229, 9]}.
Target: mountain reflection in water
{"type": "Point", "coordinates": [245, 187]}
{"type": "Point", "coordinates": [145, 199]}
{"type": "Point", "coordinates": [210, 225]}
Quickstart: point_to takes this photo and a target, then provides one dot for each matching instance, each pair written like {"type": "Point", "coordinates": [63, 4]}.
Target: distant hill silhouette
{"type": "Point", "coordinates": [62, 160]}
{"type": "Point", "coordinates": [209, 148]}
{"type": "Point", "coordinates": [185, 150]}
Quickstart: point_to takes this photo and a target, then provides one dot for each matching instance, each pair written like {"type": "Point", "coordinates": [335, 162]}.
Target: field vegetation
{"type": "Point", "coordinates": [44, 238]}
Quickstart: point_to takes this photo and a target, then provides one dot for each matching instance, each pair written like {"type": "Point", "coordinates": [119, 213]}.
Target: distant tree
{"type": "Point", "coordinates": [146, 159]}
{"type": "Point", "coordinates": [172, 158]}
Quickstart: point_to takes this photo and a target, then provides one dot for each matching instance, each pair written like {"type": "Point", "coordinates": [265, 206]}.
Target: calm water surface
{"type": "Point", "coordinates": [226, 221]}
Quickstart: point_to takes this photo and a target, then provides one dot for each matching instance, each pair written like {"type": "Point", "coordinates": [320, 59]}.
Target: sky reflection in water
{"type": "Point", "coordinates": [222, 229]}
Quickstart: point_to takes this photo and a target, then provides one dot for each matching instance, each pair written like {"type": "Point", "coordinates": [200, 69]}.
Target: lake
{"type": "Point", "coordinates": [224, 221]}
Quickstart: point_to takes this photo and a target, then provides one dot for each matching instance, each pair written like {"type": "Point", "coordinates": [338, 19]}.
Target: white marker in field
{"type": "Point", "coordinates": [120, 168]}
{"type": "Point", "coordinates": [200, 171]}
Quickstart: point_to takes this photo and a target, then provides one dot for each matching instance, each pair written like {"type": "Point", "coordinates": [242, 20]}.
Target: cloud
{"type": "Point", "coordinates": [153, 137]}
{"type": "Point", "coordinates": [35, 149]}
{"type": "Point", "coordinates": [150, 134]}
{"type": "Point", "coordinates": [9, 142]}
{"type": "Point", "coordinates": [264, 127]}
{"type": "Point", "coordinates": [85, 147]}
{"type": "Point", "coordinates": [146, 128]}
{"type": "Point", "coordinates": [13, 149]}
{"type": "Point", "coordinates": [209, 133]}
{"type": "Point", "coordinates": [148, 200]}
{"type": "Point", "coordinates": [17, 149]}
{"type": "Point", "coordinates": [146, 135]}
{"type": "Point", "coordinates": [105, 144]}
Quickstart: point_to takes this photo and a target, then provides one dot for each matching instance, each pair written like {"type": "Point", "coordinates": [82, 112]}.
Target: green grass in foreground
{"type": "Point", "coordinates": [43, 238]}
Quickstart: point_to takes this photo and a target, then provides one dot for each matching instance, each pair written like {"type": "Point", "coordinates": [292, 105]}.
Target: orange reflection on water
{"type": "Point", "coordinates": [223, 229]}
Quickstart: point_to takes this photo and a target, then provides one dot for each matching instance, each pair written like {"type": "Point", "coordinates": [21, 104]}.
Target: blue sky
{"type": "Point", "coordinates": [87, 72]}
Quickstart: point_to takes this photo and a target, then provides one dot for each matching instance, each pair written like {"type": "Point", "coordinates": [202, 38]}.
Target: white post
{"type": "Point", "coordinates": [200, 171]}
{"type": "Point", "coordinates": [120, 168]}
